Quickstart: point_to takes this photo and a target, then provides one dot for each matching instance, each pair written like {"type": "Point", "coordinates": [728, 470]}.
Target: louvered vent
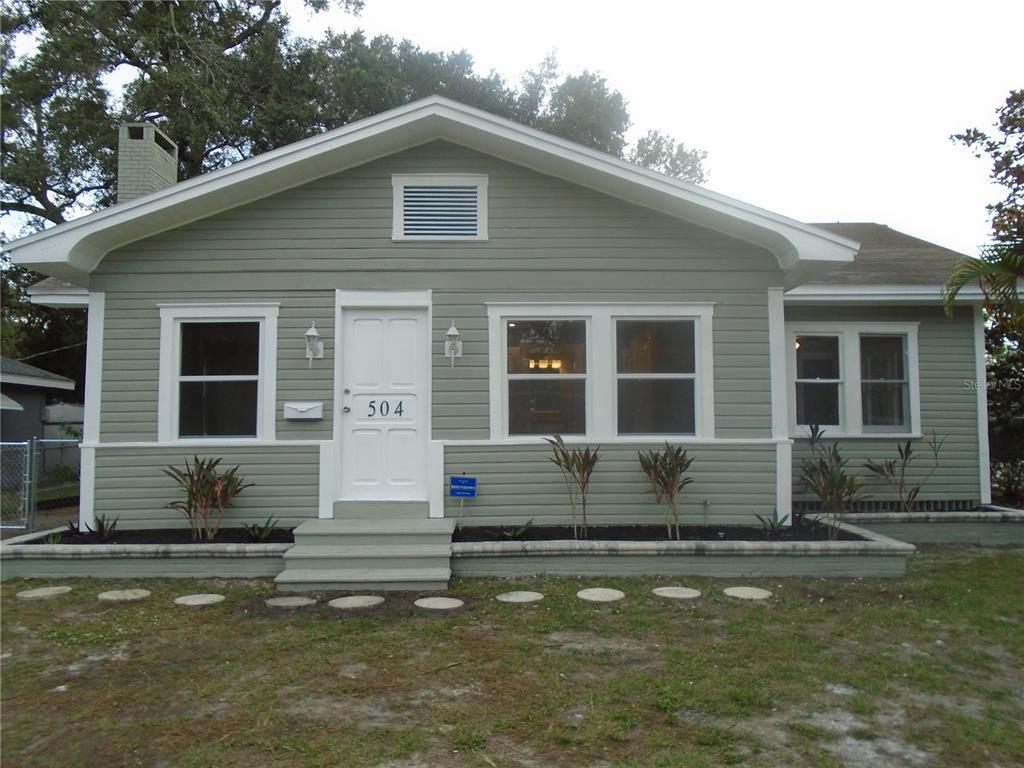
{"type": "Point", "coordinates": [435, 211]}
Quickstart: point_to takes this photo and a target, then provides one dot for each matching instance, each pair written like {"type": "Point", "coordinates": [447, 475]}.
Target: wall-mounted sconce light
{"type": "Point", "coordinates": [452, 344]}
{"type": "Point", "coordinates": [314, 346]}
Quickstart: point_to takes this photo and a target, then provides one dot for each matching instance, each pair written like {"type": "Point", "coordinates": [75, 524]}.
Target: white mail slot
{"type": "Point", "coordinates": [293, 411]}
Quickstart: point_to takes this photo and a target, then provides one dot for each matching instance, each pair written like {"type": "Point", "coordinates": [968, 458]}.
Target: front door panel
{"type": "Point", "coordinates": [384, 384]}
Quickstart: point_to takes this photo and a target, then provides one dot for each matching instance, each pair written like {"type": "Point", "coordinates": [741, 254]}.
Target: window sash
{"type": "Point", "coordinates": [173, 316]}
{"type": "Point", "coordinates": [851, 384]}
{"type": "Point", "coordinates": [181, 379]}
{"type": "Point", "coordinates": [540, 377]}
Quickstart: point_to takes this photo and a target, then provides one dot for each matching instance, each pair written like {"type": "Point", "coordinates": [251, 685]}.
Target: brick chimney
{"type": "Point", "coordinates": [147, 161]}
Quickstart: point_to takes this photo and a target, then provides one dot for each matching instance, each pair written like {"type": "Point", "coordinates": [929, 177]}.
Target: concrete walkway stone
{"type": "Point", "coordinates": [42, 593]}
{"type": "Point", "coordinates": [356, 601]}
{"type": "Point", "coordinates": [600, 595]}
{"type": "Point", "coordinates": [123, 595]}
{"type": "Point", "coordinates": [519, 597]}
{"type": "Point", "coordinates": [748, 593]}
{"type": "Point", "coordinates": [439, 603]}
{"type": "Point", "coordinates": [677, 593]}
{"type": "Point", "coordinates": [290, 602]}
{"type": "Point", "coordinates": [201, 599]}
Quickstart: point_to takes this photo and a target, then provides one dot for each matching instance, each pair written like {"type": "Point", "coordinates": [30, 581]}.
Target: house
{"type": "Point", "coordinates": [24, 390]}
{"type": "Point", "coordinates": [357, 317]}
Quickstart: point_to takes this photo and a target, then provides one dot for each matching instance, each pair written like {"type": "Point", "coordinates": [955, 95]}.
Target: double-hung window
{"type": "Point", "coordinates": [854, 378]}
{"type": "Point", "coordinates": [547, 376]}
{"type": "Point", "coordinates": [656, 372]}
{"type": "Point", "coordinates": [601, 371]}
{"type": "Point", "coordinates": [217, 370]}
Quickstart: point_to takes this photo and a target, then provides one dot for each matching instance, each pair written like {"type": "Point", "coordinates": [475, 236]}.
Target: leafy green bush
{"type": "Point", "coordinates": [207, 493]}
{"type": "Point", "coordinates": [825, 475]}
{"type": "Point", "coordinates": [894, 471]}
{"type": "Point", "coordinates": [666, 470]}
{"type": "Point", "coordinates": [577, 466]}
{"type": "Point", "coordinates": [261, 531]}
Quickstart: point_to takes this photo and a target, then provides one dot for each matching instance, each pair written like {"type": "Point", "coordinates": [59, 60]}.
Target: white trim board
{"type": "Point", "coordinates": [37, 381]}
{"type": "Point", "coordinates": [981, 381]}
{"type": "Point", "coordinates": [877, 294]}
{"type": "Point", "coordinates": [171, 318]}
{"type": "Point", "coordinates": [72, 250]}
{"type": "Point", "coordinates": [601, 397]}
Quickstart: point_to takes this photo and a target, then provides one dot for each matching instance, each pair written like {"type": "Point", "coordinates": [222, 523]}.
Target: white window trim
{"type": "Point", "coordinates": [400, 181]}
{"type": "Point", "coordinates": [601, 390]}
{"type": "Point", "coordinates": [850, 404]}
{"type": "Point", "coordinates": [171, 318]}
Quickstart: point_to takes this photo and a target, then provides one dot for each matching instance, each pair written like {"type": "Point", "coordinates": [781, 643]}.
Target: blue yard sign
{"type": "Point", "coordinates": [463, 486]}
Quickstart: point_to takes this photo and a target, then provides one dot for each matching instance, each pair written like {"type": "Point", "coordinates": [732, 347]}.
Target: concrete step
{"type": "Point", "coordinates": [381, 510]}
{"type": "Point", "coordinates": [369, 556]}
{"type": "Point", "coordinates": [391, 579]}
{"type": "Point", "coordinates": [349, 533]}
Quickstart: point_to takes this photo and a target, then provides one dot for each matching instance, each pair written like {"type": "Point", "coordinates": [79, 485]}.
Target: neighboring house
{"type": "Point", "coordinates": [591, 298]}
{"type": "Point", "coordinates": [24, 390]}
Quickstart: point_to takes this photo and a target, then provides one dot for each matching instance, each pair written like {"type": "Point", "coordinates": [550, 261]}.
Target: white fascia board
{"type": "Point", "coordinates": [874, 294]}
{"type": "Point", "coordinates": [60, 299]}
{"type": "Point", "coordinates": [72, 250]}
{"type": "Point", "coordinates": [37, 381]}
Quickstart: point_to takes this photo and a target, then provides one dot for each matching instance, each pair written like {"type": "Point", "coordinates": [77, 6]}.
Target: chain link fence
{"type": "Point", "coordinates": [37, 476]}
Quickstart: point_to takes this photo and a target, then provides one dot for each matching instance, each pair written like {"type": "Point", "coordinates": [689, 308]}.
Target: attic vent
{"type": "Point", "coordinates": [440, 207]}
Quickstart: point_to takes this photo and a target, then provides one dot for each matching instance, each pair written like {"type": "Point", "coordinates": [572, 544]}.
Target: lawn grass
{"type": "Point", "coordinates": [925, 670]}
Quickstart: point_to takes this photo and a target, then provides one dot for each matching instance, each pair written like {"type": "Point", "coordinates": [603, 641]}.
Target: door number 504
{"type": "Point", "coordinates": [383, 408]}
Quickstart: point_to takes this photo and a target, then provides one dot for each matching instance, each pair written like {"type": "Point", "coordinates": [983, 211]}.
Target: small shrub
{"type": "Point", "coordinates": [515, 534]}
{"type": "Point", "coordinates": [825, 475]}
{"type": "Point", "coordinates": [261, 531]}
{"type": "Point", "coordinates": [894, 471]}
{"type": "Point", "coordinates": [53, 538]}
{"type": "Point", "coordinates": [773, 526]}
{"type": "Point", "coordinates": [577, 466]}
{"type": "Point", "coordinates": [207, 494]}
{"type": "Point", "coordinates": [104, 530]}
{"type": "Point", "coordinates": [1008, 481]}
{"type": "Point", "coordinates": [666, 469]}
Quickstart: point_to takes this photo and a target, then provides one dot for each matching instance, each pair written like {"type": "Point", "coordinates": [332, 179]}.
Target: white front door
{"type": "Point", "coordinates": [385, 356]}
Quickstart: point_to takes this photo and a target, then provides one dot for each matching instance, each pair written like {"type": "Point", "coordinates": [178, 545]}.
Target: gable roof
{"type": "Point", "coordinates": [887, 256]}
{"type": "Point", "coordinates": [16, 372]}
{"type": "Point", "coordinates": [72, 250]}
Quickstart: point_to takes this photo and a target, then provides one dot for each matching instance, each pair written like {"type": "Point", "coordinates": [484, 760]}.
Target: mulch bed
{"type": "Point", "coordinates": [173, 536]}
{"type": "Point", "coordinates": [815, 532]}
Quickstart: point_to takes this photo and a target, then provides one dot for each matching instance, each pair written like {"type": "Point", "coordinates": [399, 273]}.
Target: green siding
{"type": "Point", "coordinates": [980, 534]}
{"type": "Point", "coordinates": [146, 567]}
{"type": "Point", "coordinates": [549, 241]}
{"type": "Point", "coordinates": [131, 486]}
{"type": "Point", "coordinates": [948, 404]}
{"type": "Point", "coordinates": [518, 482]}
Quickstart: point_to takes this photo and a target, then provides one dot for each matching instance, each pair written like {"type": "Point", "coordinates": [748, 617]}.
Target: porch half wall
{"type": "Point", "coordinates": [517, 483]}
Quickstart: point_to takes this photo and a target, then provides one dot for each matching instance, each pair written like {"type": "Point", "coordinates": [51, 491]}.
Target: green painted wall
{"type": "Point", "coordinates": [518, 482]}
{"type": "Point", "coordinates": [948, 405]}
{"type": "Point", "coordinates": [131, 485]}
{"type": "Point", "coordinates": [549, 240]}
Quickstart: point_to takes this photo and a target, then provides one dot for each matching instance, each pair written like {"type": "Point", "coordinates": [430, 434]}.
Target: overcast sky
{"type": "Point", "coordinates": [817, 110]}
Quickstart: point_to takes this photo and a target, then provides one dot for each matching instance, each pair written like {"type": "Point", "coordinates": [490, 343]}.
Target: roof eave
{"type": "Point", "coordinates": [71, 251]}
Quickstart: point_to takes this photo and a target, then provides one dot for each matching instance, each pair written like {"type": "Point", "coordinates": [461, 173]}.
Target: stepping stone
{"type": "Point", "coordinates": [289, 602]}
{"type": "Point", "coordinates": [203, 599]}
{"type": "Point", "coordinates": [748, 593]}
{"type": "Point", "coordinates": [356, 601]}
{"type": "Point", "coordinates": [123, 595]}
{"type": "Point", "coordinates": [519, 597]}
{"type": "Point", "coordinates": [677, 593]}
{"type": "Point", "coordinates": [439, 603]}
{"type": "Point", "coordinates": [600, 595]}
{"type": "Point", "coordinates": [42, 593]}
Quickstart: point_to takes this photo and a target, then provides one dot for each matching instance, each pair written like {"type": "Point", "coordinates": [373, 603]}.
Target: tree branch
{"type": "Point", "coordinates": [257, 26]}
